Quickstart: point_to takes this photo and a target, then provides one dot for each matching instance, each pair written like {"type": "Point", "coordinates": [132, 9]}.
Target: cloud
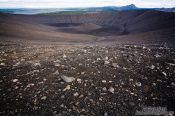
{"type": "Point", "coordinates": [83, 3]}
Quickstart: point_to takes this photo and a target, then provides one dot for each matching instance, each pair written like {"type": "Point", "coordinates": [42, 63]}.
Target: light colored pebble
{"type": "Point", "coordinates": [111, 89]}
{"type": "Point", "coordinates": [76, 94]}
{"type": "Point", "coordinates": [44, 98]}
{"type": "Point", "coordinates": [15, 80]}
{"type": "Point", "coordinates": [67, 88]}
{"type": "Point", "coordinates": [103, 81]}
{"type": "Point", "coordinates": [67, 79]}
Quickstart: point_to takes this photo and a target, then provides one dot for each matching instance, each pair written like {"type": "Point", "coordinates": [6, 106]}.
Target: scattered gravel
{"type": "Point", "coordinates": [85, 79]}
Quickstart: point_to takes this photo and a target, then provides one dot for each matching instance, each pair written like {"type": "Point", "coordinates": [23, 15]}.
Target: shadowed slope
{"type": "Point", "coordinates": [89, 27]}
{"type": "Point", "coordinates": [19, 27]}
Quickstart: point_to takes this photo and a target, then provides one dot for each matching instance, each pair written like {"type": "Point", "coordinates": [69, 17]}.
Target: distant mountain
{"type": "Point", "coordinates": [133, 7]}
{"type": "Point", "coordinates": [167, 9]}
{"type": "Point", "coordinates": [80, 10]}
{"type": "Point", "coordinates": [129, 7]}
{"type": "Point", "coordinates": [51, 10]}
{"type": "Point", "coordinates": [111, 8]}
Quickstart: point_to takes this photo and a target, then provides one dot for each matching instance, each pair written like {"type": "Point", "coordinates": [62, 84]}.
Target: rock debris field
{"type": "Point", "coordinates": [81, 80]}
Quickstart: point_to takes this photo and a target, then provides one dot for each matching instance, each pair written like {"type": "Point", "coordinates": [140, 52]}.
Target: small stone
{"type": "Point", "coordinates": [106, 62]}
{"type": "Point", "coordinates": [89, 94]}
{"type": "Point", "coordinates": [79, 80]}
{"type": "Point", "coordinates": [154, 84]}
{"type": "Point", "coordinates": [2, 64]}
{"type": "Point", "coordinates": [138, 84]}
{"type": "Point", "coordinates": [35, 71]}
{"type": "Point", "coordinates": [98, 59]}
{"type": "Point", "coordinates": [67, 79]}
{"type": "Point", "coordinates": [91, 100]}
{"type": "Point", "coordinates": [115, 65]}
{"type": "Point", "coordinates": [158, 80]}
{"type": "Point", "coordinates": [62, 105]}
{"type": "Point", "coordinates": [55, 113]}
{"type": "Point", "coordinates": [15, 80]}
{"type": "Point", "coordinates": [37, 64]}
{"type": "Point", "coordinates": [64, 56]}
{"type": "Point", "coordinates": [111, 89]}
{"type": "Point", "coordinates": [81, 96]}
{"type": "Point", "coordinates": [144, 47]}
{"type": "Point", "coordinates": [172, 84]}
{"type": "Point", "coordinates": [83, 110]}
{"type": "Point", "coordinates": [57, 65]}
{"type": "Point", "coordinates": [77, 103]}
{"type": "Point", "coordinates": [82, 73]}
{"type": "Point", "coordinates": [22, 59]}
{"type": "Point", "coordinates": [62, 97]}
{"type": "Point", "coordinates": [40, 82]}
{"type": "Point", "coordinates": [106, 58]}
{"type": "Point", "coordinates": [100, 99]}
{"type": "Point", "coordinates": [157, 56]}
{"type": "Point", "coordinates": [44, 98]}
{"type": "Point", "coordinates": [17, 64]}
{"type": "Point", "coordinates": [104, 89]}
{"type": "Point", "coordinates": [85, 51]}
{"type": "Point", "coordinates": [171, 64]}
{"type": "Point", "coordinates": [56, 72]}
{"type": "Point", "coordinates": [103, 81]}
{"type": "Point", "coordinates": [105, 114]}
{"type": "Point", "coordinates": [30, 85]}
{"type": "Point", "coordinates": [152, 67]}
{"type": "Point", "coordinates": [62, 82]}
{"type": "Point", "coordinates": [110, 81]}
{"type": "Point", "coordinates": [67, 88]}
{"type": "Point", "coordinates": [76, 94]}
{"type": "Point", "coordinates": [164, 73]}
{"type": "Point", "coordinates": [57, 60]}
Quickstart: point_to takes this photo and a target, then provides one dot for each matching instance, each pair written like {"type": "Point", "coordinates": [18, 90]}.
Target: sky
{"type": "Point", "coordinates": [84, 3]}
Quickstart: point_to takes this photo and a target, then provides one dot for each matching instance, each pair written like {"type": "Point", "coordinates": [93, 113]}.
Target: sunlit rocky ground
{"type": "Point", "coordinates": [58, 79]}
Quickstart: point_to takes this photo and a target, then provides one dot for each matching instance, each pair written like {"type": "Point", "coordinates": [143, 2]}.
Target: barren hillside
{"type": "Point", "coordinates": [90, 27]}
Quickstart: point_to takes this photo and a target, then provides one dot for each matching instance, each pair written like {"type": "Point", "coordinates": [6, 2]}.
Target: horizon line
{"type": "Point", "coordinates": [77, 7]}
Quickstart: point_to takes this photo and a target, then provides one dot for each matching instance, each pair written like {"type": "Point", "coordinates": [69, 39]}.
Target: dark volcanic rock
{"type": "Point", "coordinates": [103, 79]}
